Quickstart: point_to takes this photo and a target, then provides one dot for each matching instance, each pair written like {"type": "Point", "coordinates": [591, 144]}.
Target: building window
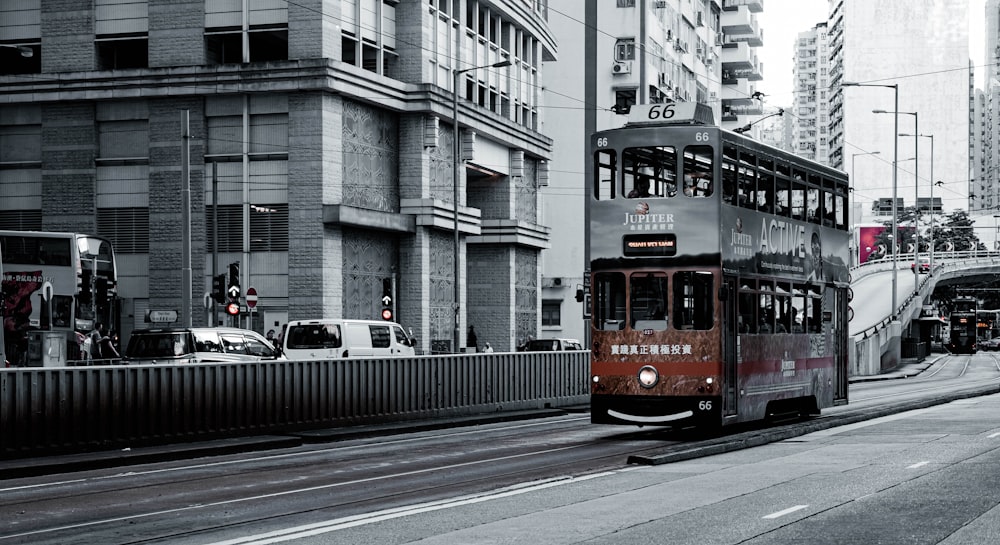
{"type": "Point", "coordinates": [264, 22]}
{"type": "Point", "coordinates": [624, 99]}
{"type": "Point", "coordinates": [626, 3]}
{"type": "Point", "coordinates": [551, 312]}
{"type": "Point", "coordinates": [119, 53]}
{"type": "Point", "coordinates": [625, 49]}
{"type": "Point", "coordinates": [269, 227]}
{"type": "Point", "coordinates": [126, 228]}
{"type": "Point", "coordinates": [21, 220]}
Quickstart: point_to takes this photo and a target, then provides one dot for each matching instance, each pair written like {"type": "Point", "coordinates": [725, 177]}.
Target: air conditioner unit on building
{"type": "Point", "coordinates": [621, 68]}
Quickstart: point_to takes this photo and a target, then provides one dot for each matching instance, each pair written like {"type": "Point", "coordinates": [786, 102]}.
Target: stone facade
{"type": "Point", "coordinates": [361, 163]}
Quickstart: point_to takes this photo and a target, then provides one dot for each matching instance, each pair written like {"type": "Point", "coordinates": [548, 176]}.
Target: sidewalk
{"type": "Point", "coordinates": [908, 367]}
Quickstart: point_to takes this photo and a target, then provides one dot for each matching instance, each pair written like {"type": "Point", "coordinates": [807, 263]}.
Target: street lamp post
{"type": "Point", "coordinates": [931, 237]}
{"type": "Point", "coordinates": [895, 156]}
{"type": "Point", "coordinates": [24, 50]}
{"type": "Point", "coordinates": [916, 187]}
{"type": "Point", "coordinates": [456, 149]}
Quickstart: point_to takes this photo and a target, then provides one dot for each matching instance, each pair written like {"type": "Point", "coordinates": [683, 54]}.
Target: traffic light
{"type": "Point", "coordinates": [102, 287]}
{"type": "Point", "coordinates": [219, 288]}
{"type": "Point", "coordinates": [84, 287]}
{"type": "Point", "coordinates": [234, 282]}
{"type": "Point", "coordinates": [387, 299]}
{"type": "Point", "coordinates": [232, 309]}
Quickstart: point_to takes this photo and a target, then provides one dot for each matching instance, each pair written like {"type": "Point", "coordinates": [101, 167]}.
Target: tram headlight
{"type": "Point", "coordinates": [648, 376]}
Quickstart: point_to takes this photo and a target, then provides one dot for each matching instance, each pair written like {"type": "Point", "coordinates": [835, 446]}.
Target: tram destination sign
{"type": "Point", "coordinates": [649, 245]}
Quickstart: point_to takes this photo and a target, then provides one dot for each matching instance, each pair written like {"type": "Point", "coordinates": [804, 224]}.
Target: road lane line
{"type": "Point", "coordinates": [317, 528]}
{"type": "Point", "coordinates": [784, 512]}
{"type": "Point", "coordinates": [284, 493]}
{"type": "Point", "coordinates": [993, 435]}
{"type": "Point", "coordinates": [916, 465]}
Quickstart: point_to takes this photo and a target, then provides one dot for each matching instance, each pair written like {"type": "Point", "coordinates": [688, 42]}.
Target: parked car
{"type": "Point", "coordinates": [197, 345]}
{"type": "Point", "coordinates": [924, 263]}
{"type": "Point", "coordinates": [990, 344]}
{"type": "Point", "coordinates": [546, 345]}
{"type": "Point", "coordinates": [336, 338]}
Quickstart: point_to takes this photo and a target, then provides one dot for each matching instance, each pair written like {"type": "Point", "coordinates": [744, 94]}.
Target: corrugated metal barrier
{"type": "Point", "coordinates": [56, 409]}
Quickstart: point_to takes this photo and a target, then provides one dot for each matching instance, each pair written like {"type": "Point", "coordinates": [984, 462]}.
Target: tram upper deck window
{"type": "Point", "coordinates": [609, 301]}
{"type": "Point", "coordinates": [747, 180]}
{"type": "Point", "coordinates": [693, 300]}
{"type": "Point", "coordinates": [765, 185]}
{"type": "Point", "coordinates": [729, 162]}
{"type": "Point", "coordinates": [649, 172]}
{"type": "Point", "coordinates": [605, 166]}
{"type": "Point", "coordinates": [798, 197]}
{"type": "Point", "coordinates": [648, 301]}
{"type": "Point", "coordinates": [782, 194]}
{"type": "Point", "coordinates": [698, 167]}
{"type": "Point", "coordinates": [814, 199]}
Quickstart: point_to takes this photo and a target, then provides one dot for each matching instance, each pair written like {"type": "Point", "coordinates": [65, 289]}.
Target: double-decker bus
{"type": "Point", "coordinates": [962, 325]}
{"type": "Point", "coordinates": [61, 282]}
{"type": "Point", "coordinates": [718, 275]}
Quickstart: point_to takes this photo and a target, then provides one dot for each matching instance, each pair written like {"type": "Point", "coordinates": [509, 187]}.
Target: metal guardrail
{"type": "Point", "coordinates": [869, 343]}
{"type": "Point", "coordinates": [54, 409]}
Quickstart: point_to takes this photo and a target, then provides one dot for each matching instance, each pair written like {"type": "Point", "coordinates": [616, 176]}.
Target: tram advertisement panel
{"type": "Point", "coordinates": [759, 243]}
{"type": "Point", "coordinates": [679, 228]}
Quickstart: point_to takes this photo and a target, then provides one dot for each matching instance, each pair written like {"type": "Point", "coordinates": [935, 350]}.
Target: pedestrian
{"type": "Point", "coordinates": [487, 348]}
{"type": "Point", "coordinates": [471, 341]}
{"type": "Point", "coordinates": [271, 339]}
{"type": "Point", "coordinates": [97, 337]}
{"type": "Point", "coordinates": [108, 349]}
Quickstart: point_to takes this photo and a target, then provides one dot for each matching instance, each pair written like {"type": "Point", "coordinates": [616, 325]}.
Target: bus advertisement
{"type": "Point", "coordinates": [719, 276]}
{"type": "Point", "coordinates": [59, 282]}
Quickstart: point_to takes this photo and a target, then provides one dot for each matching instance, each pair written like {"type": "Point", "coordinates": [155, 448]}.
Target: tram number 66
{"type": "Point", "coordinates": [704, 405]}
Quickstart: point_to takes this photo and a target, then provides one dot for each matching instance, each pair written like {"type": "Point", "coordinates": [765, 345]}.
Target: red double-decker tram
{"type": "Point", "coordinates": [719, 275]}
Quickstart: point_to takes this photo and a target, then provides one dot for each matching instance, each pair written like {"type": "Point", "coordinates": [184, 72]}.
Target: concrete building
{"type": "Point", "coordinates": [614, 55]}
{"type": "Point", "coordinates": [327, 128]}
{"type": "Point", "coordinates": [925, 52]}
{"type": "Point", "coordinates": [811, 101]}
{"type": "Point", "coordinates": [986, 186]}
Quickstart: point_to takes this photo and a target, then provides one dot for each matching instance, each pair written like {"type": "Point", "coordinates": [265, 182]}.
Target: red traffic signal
{"type": "Point", "coordinates": [387, 314]}
{"type": "Point", "coordinates": [233, 309]}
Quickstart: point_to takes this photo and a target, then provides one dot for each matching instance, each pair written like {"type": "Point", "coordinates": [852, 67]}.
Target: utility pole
{"type": "Point", "coordinates": [186, 218]}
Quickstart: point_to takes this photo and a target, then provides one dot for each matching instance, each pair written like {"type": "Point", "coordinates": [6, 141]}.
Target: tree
{"type": "Point", "coordinates": [956, 233]}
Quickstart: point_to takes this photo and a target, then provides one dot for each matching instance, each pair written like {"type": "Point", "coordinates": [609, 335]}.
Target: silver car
{"type": "Point", "coordinates": [198, 345]}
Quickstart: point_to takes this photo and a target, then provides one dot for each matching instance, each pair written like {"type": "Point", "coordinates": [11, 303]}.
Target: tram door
{"type": "Point", "coordinates": [840, 343]}
{"type": "Point", "coordinates": [730, 346]}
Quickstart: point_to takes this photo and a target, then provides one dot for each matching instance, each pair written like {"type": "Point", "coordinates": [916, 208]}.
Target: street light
{"type": "Point", "coordinates": [916, 185]}
{"type": "Point", "coordinates": [24, 50]}
{"type": "Point", "coordinates": [454, 181]}
{"type": "Point", "coordinates": [895, 155]}
{"type": "Point", "coordinates": [931, 136]}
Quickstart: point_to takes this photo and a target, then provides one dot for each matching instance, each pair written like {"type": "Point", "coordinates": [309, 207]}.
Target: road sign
{"type": "Point", "coordinates": [161, 316]}
{"type": "Point", "coordinates": [251, 297]}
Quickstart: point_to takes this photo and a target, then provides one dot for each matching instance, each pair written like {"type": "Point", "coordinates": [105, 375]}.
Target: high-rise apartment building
{"type": "Point", "coordinates": [615, 54]}
{"type": "Point", "coordinates": [811, 100]}
{"type": "Point", "coordinates": [986, 186]}
{"type": "Point", "coordinates": [922, 48]}
{"type": "Point", "coordinates": [327, 128]}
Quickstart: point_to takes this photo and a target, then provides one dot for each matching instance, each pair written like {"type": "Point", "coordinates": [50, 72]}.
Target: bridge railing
{"type": "Point", "coordinates": [871, 343]}
{"type": "Point", "coordinates": [50, 409]}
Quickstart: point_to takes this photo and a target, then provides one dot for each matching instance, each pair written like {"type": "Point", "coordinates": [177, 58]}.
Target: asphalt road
{"type": "Point", "coordinates": [928, 475]}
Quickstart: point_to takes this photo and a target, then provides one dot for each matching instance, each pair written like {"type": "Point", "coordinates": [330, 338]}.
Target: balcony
{"type": "Point", "coordinates": [737, 21]}
{"type": "Point", "coordinates": [738, 61]}
{"type": "Point", "coordinates": [755, 6]}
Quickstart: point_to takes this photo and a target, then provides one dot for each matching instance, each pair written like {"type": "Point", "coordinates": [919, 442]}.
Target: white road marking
{"type": "Point", "coordinates": [993, 435]}
{"type": "Point", "coordinates": [784, 512]}
{"type": "Point", "coordinates": [916, 465]}
{"type": "Point", "coordinates": [317, 528]}
{"type": "Point", "coordinates": [285, 493]}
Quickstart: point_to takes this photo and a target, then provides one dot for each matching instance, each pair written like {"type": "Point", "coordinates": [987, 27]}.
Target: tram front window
{"type": "Point", "coordinates": [693, 300]}
{"type": "Point", "coordinates": [648, 301]}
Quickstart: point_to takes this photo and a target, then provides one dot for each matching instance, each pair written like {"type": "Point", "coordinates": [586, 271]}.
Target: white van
{"type": "Point", "coordinates": [335, 339]}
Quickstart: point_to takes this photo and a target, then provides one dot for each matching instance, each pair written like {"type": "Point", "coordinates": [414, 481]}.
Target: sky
{"type": "Point", "coordinates": [782, 20]}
